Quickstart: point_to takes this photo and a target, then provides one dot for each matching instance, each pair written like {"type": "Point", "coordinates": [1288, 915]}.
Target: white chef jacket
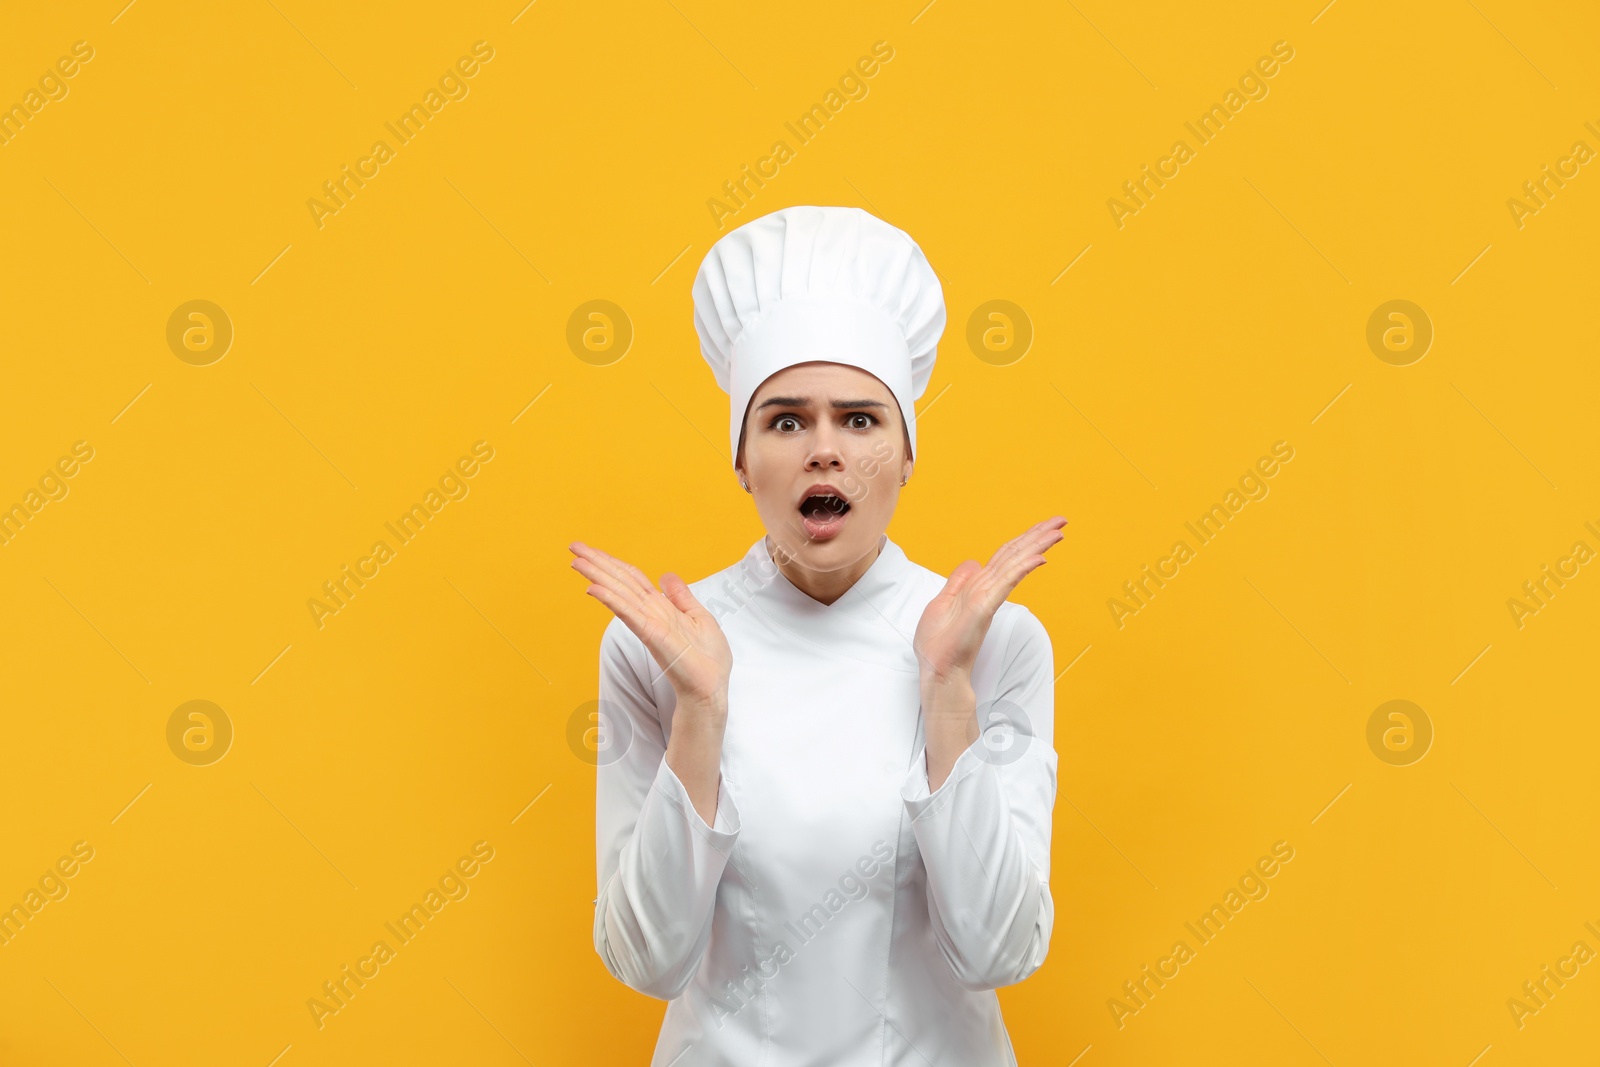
{"type": "Point", "coordinates": [835, 914]}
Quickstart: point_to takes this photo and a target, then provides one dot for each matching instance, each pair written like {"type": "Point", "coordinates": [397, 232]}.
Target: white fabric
{"type": "Point", "coordinates": [818, 283]}
{"type": "Point", "coordinates": [824, 781]}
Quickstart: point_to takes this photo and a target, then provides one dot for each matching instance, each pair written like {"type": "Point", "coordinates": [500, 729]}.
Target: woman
{"type": "Point", "coordinates": [823, 811]}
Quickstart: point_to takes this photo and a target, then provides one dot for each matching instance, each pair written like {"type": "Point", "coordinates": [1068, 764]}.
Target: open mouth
{"type": "Point", "coordinates": [823, 515]}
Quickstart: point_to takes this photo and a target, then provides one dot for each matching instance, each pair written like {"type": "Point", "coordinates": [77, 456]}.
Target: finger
{"type": "Point", "coordinates": [1001, 552]}
{"type": "Point", "coordinates": [999, 567]}
{"type": "Point", "coordinates": [1017, 558]}
{"type": "Point", "coordinates": [623, 607]}
{"type": "Point", "coordinates": [647, 599]}
{"type": "Point", "coordinates": [995, 593]}
{"type": "Point", "coordinates": [607, 576]}
{"type": "Point", "coordinates": [1037, 538]}
{"type": "Point", "coordinates": [677, 591]}
{"type": "Point", "coordinates": [626, 572]}
{"type": "Point", "coordinates": [1012, 562]}
{"type": "Point", "coordinates": [619, 586]}
{"type": "Point", "coordinates": [1046, 531]}
{"type": "Point", "coordinates": [656, 635]}
{"type": "Point", "coordinates": [1051, 531]}
{"type": "Point", "coordinates": [1039, 544]}
{"type": "Point", "coordinates": [1031, 554]}
{"type": "Point", "coordinates": [987, 590]}
{"type": "Point", "coordinates": [637, 574]}
{"type": "Point", "coordinates": [1020, 542]}
{"type": "Point", "coordinates": [1009, 551]}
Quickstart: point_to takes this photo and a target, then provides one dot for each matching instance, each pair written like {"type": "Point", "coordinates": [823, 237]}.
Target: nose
{"type": "Point", "coordinates": [824, 453]}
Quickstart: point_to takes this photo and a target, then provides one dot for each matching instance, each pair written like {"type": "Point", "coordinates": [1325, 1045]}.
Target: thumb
{"type": "Point", "coordinates": [677, 591]}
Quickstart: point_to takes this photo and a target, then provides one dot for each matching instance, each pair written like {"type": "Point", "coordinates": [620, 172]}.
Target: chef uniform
{"type": "Point", "coordinates": [835, 913]}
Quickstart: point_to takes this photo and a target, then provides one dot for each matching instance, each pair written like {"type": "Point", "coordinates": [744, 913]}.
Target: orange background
{"type": "Point", "coordinates": [371, 753]}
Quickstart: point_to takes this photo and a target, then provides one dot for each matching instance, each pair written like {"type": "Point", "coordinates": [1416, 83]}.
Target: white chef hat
{"type": "Point", "coordinates": [818, 283]}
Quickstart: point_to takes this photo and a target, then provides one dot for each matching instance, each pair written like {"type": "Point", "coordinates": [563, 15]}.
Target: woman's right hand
{"type": "Point", "coordinates": [681, 635]}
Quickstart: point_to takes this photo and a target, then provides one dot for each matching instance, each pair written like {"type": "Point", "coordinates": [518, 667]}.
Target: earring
{"type": "Point", "coordinates": [744, 485]}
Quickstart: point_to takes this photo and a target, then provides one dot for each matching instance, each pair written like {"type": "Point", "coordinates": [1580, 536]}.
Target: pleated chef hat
{"type": "Point", "coordinates": [818, 283]}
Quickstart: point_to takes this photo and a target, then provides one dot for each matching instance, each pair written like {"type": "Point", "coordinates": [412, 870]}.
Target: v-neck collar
{"type": "Point", "coordinates": [879, 576]}
{"type": "Point", "coordinates": [867, 624]}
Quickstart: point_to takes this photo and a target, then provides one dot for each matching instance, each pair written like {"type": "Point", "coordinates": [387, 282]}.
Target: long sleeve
{"type": "Point", "coordinates": [658, 863]}
{"type": "Point", "coordinates": [984, 834]}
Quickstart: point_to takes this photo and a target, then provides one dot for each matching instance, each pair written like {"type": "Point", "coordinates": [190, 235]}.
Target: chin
{"type": "Point", "coordinates": [855, 540]}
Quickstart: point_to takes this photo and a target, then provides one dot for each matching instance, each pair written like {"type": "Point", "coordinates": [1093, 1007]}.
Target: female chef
{"type": "Point", "coordinates": [824, 798]}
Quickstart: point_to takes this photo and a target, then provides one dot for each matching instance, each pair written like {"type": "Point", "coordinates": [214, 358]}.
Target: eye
{"type": "Point", "coordinates": [786, 423]}
{"type": "Point", "coordinates": [867, 423]}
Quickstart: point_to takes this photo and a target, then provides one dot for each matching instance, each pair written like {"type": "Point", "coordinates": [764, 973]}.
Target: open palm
{"type": "Point", "coordinates": [679, 632]}
{"type": "Point", "coordinates": [954, 623]}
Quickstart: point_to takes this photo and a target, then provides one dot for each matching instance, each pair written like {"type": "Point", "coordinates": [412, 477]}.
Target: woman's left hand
{"type": "Point", "coordinates": [954, 623]}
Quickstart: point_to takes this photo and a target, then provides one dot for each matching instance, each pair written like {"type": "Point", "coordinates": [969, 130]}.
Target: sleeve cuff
{"type": "Point", "coordinates": [914, 786]}
{"type": "Point", "coordinates": [725, 831]}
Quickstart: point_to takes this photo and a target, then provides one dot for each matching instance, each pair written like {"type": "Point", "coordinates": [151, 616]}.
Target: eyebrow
{"type": "Point", "coordinates": [805, 401]}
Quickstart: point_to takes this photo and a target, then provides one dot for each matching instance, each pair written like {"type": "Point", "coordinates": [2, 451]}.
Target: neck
{"type": "Point", "coordinates": [825, 586]}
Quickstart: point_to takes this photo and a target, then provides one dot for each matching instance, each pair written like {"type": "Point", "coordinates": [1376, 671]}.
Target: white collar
{"type": "Point", "coordinates": [869, 620]}
{"type": "Point", "coordinates": [879, 577]}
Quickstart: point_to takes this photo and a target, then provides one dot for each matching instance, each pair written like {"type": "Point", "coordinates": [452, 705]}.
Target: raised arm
{"type": "Point", "coordinates": [980, 804]}
{"type": "Point", "coordinates": [658, 861]}
{"type": "Point", "coordinates": [984, 834]}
